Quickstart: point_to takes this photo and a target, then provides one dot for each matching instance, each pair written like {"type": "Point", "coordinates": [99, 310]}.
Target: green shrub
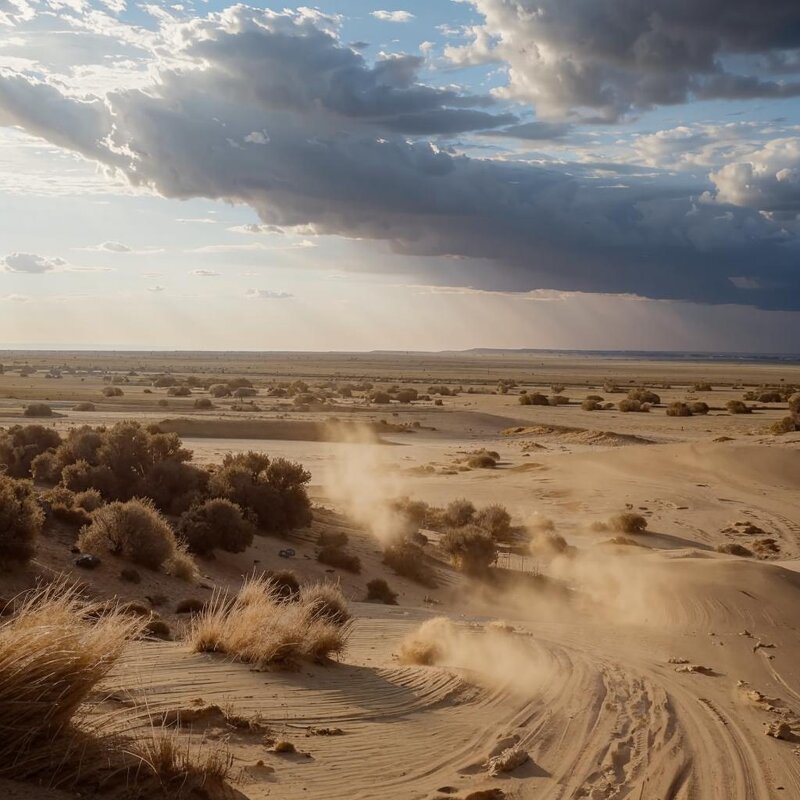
{"type": "Point", "coordinates": [217, 524]}
{"type": "Point", "coordinates": [21, 521]}
{"type": "Point", "coordinates": [21, 444]}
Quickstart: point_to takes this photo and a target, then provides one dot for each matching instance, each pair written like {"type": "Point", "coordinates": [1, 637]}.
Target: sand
{"type": "Point", "coordinates": [648, 672]}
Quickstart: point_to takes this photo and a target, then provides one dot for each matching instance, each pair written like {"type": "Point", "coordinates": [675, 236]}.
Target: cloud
{"type": "Point", "coordinates": [15, 11]}
{"type": "Point", "coordinates": [155, 289]}
{"type": "Point", "coordinates": [15, 298]}
{"type": "Point", "coordinates": [393, 16]}
{"type": "Point", "coordinates": [31, 264]}
{"type": "Point", "coordinates": [109, 247]}
{"type": "Point", "coordinates": [205, 273]}
{"type": "Point", "coordinates": [769, 179]}
{"type": "Point", "coordinates": [600, 60]}
{"type": "Point", "coordinates": [267, 294]}
{"type": "Point", "coordinates": [339, 160]}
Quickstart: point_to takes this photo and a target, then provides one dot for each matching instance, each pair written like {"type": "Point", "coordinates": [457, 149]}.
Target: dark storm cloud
{"type": "Point", "coordinates": [283, 118]}
{"type": "Point", "coordinates": [598, 59]}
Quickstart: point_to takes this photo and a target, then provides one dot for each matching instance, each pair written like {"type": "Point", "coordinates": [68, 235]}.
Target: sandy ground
{"type": "Point", "coordinates": [655, 675]}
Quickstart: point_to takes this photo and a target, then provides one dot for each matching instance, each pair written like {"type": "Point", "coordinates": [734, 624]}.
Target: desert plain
{"type": "Point", "coordinates": [632, 634]}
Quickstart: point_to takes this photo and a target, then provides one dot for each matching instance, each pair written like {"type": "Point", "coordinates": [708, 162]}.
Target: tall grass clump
{"type": "Point", "coordinates": [259, 627]}
{"type": "Point", "coordinates": [54, 650]}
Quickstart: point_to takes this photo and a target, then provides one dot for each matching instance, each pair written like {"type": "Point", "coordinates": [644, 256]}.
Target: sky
{"type": "Point", "coordinates": [414, 175]}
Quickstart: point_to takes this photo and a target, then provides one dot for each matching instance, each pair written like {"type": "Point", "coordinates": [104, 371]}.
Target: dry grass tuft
{"type": "Point", "coordinates": [258, 627]}
{"type": "Point", "coordinates": [53, 652]}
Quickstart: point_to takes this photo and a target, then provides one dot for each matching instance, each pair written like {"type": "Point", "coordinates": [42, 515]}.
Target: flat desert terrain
{"type": "Point", "coordinates": [634, 634]}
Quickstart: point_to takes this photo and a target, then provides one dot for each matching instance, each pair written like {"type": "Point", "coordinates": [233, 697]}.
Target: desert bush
{"type": "Point", "coordinates": [38, 410]}
{"type": "Point", "coordinates": [332, 539]}
{"type": "Point", "coordinates": [203, 404]}
{"type": "Point", "coordinates": [217, 524]}
{"type": "Point", "coordinates": [770, 397]}
{"type": "Point", "coordinates": [244, 391]}
{"type": "Point", "coordinates": [794, 403]}
{"type": "Point", "coordinates": [60, 502]}
{"type": "Point", "coordinates": [21, 521]}
{"type": "Point", "coordinates": [538, 399]}
{"type": "Point", "coordinates": [458, 513]}
{"type": "Point", "coordinates": [699, 407]}
{"type": "Point", "coordinates": [407, 395]}
{"type": "Point", "coordinates": [325, 601]}
{"type": "Point", "coordinates": [174, 486]}
{"type": "Point", "coordinates": [737, 407]}
{"type": "Point", "coordinates": [628, 522]}
{"type": "Point", "coordinates": [84, 407]}
{"type": "Point", "coordinates": [273, 492]}
{"type": "Point", "coordinates": [557, 388]}
{"type": "Point", "coordinates": [678, 409]}
{"type": "Point", "coordinates": [558, 400]}
{"type": "Point", "coordinates": [133, 530]}
{"type": "Point", "coordinates": [112, 391]}
{"type": "Point", "coordinates": [628, 405]}
{"type": "Point", "coordinates": [178, 391]}
{"type": "Point", "coordinates": [21, 444]}
{"type": "Point", "coordinates": [285, 584]}
{"type": "Point", "coordinates": [46, 468]}
{"type": "Point", "coordinates": [548, 543]}
{"type": "Point", "coordinates": [380, 398]}
{"type": "Point", "coordinates": [591, 404]}
{"type": "Point", "coordinates": [246, 383]}
{"type": "Point", "coordinates": [219, 390]}
{"type": "Point", "coordinates": [164, 381]}
{"type": "Point", "coordinates": [257, 627]}
{"type": "Point", "coordinates": [495, 520]}
{"type": "Point", "coordinates": [54, 650]}
{"type": "Point", "coordinates": [735, 549]}
{"type": "Point", "coordinates": [644, 396]}
{"type": "Point", "coordinates": [785, 425]}
{"type": "Point", "coordinates": [336, 557]}
{"type": "Point", "coordinates": [481, 461]}
{"type": "Point", "coordinates": [378, 591]}
{"type": "Point", "coordinates": [407, 559]}
{"type": "Point", "coordinates": [469, 548]}
{"type": "Point", "coordinates": [190, 605]}
{"type": "Point", "coordinates": [702, 387]}
{"type": "Point", "coordinates": [611, 388]}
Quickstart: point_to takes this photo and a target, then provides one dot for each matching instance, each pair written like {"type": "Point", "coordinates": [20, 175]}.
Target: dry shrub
{"type": "Point", "coordinates": [257, 627]}
{"type": "Point", "coordinates": [558, 400]}
{"type": "Point", "coordinates": [425, 645]}
{"type": "Point", "coordinates": [61, 503]}
{"type": "Point", "coordinates": [134, 530]}
{"type": "Point", "coordinates": [735, 549]}
{"type": "Point", "coordinates": [644, 396]}
{"type": "Point", "coordinates": [203, 404]}
{"type": "Point", "coordinates": [481, 461]}
{"type": "Point", "coordinates": [379, 591]}
{"type": "Point", "coordinates": [533, 399]}
{"type": "Point", "coordinates": [336, 557]}
{"type": "Point", "coordinates": [38, 410]}
{"type": "Point", "coordinates": [326, 601]}
{"type": "Point", "coordinates": [84, 407]}
{"type": "Point", "coordinates": [737, 407]}
{"type": "Point", "coordinates": [21, 521]}
{"type": "Point", "coordinates": [591, 404]}
{"type": "Point", "coordinates": [21, 444]}
{"type": "Point", "coordinates": [178, 391]}
{"type": "Point", "coordinates": [273, 492]}
{"type": "Point", "coordinates": [495, 520]}
{"type": "Point", "coordinates": [332, 539]}
{"type": "Point", "coordinates": [53, 653]}
{"type": "Point", "coordinates": [408, 560]}
{"type": "Point", "coordinates": [112, 391]}
{"type": "Point", "coordinates": [628, 522]}
{"type": "Point", "coordinates": [678, 409]}
{"type": "Point", "coordinates": [699, 407]}
{"type": "Point", "coordinates": [285, 584]}
{"type": "Point", "coordinates": [630, 404]}
{"type": "Point", "coordinates": [469, 548]}
{"type": "Point", "coordinates": [458, 513]}
{"type": "Point", "coordinates": [216, 524]}
{"type": "Point", "coordinates": [785, 425]}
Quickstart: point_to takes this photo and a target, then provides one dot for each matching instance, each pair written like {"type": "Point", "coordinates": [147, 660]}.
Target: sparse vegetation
{"type": "Point", "coordinates": [495, 520]}
{"type": "Point", "coordinates": [628, 522]}
{"type": "Point", "coordinates": [258, 627]}
{"type": "Point", "coordinates": [407, 559]}
{"type": "Point", "coordinates": [21, 522]}
{"type": "Point", "coordinates": [21, 444]}
{"type": "Point", "coordinates": [112, 391]}
{"type": "Point", "coordinates": [737, 407]}
{"type": "Point", "coordinates": [470, 549]}
{"type": "Point", "coordinates": [38, 410]}
{"type": "Point", "coordinates": [378, 591]}
{"type": "Point", "coordinates": [678, 409]}
{"type": "Point", "coordinates": [339, 558]}
{"type": "Point", "coordinates": [217, 524]}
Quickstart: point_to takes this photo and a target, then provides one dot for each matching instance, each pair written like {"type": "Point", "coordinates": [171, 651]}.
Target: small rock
{"type": "Point", "coordinates": [507, 761]}
{"type": "Point", "coordinates": [780, 730]}
{"type": "Point", "coordinates": [87, 562]}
